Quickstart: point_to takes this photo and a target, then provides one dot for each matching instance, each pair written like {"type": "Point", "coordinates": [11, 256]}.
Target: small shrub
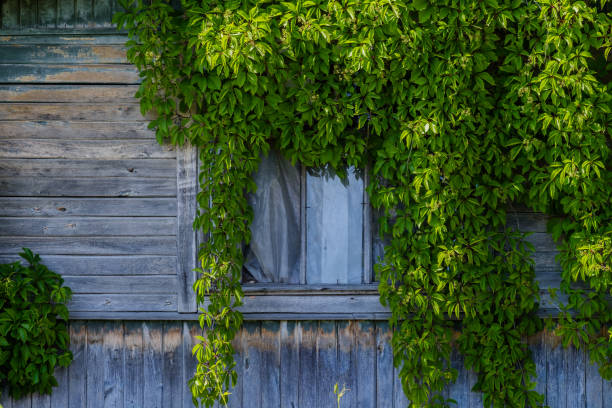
{"type": "Point", "coordinates": [33, 333]}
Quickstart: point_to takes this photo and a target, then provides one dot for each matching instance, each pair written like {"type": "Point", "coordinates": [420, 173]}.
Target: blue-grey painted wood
{"type": "Point", "coordinates": [555, 382]}
{"type": "Point", "coordinates": [159, 168]}
{"type": "Point", "coordinates": [69, 74]}
{"type": "Point", "coordinates": [148, 364]}
{"type": "Point", "coordinates": [25, 129]}
{"type": "Point", "coordinates": [235, 398]}
{"type": "Point", "coordinates": [83, 206]}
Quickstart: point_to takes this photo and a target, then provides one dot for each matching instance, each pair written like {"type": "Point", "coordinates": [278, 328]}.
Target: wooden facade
{"type": "Point", "coordinates": [281, 364]}
{"type": "Point", "coordinates": [84, 183]}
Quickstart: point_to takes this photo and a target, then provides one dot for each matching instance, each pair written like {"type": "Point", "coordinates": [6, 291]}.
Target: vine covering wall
{"type": "Point", "coordinates": [461, 108]}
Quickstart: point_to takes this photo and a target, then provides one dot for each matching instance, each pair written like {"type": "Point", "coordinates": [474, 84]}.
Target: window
{"type": "Point", "coordinates": [309, 227]}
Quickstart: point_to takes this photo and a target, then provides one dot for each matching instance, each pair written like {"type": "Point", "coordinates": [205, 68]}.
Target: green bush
{"type": "Point", "coordinates": [33, 333]}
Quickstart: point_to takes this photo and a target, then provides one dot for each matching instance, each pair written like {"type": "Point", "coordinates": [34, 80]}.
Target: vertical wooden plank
{"type": "Point", "coordinates": [5, 399]}
{"type": "Point", "coordinates": [113, 364]}
{"type": "Point", "coordinates": [366, 364]}
{"type": "Point", "coordinates": [270, 364]}
{"type": "Point", "coordinates": [593, 386]}
{"type": "Point", "coordinates": [60, 395]}
{"type": "Point", "coordinates": [95, 366]}
{"type": "Point", "coordinates": [172, 372]}
{"type": "Point", "coordinates": [41, 400]}
{"type": "Point", "coordinates": [575, 373]}
{"type": "Point", "coordinates": [77, 371]}
{"type": "Point", "coordinates": [399, 398]}
{"type": "Point", "coordinates": [607, 394]}
{"type": "Point", "coordinates": [25, 402]}
{"type": "Point", "coordinates": [65, 13]}
{"type": "Point", "coordinates": [308, 364]}
{"type": "Point", "coordinates": [347, 362]}
{"type": "Point", "coordinates": [289, 364]}
{"type": "Point", "coordinates": [102, 12]}
{"type": "Point", "coordinates": [459, 391]}
{"type": "Point", "coordinates": [134, 374]}
{"type": "Point", "coordinates": [186, 181]}
{"type": "Point", "coordinates": [235, 399]}
{"type": "Point", "coordinates": [47, 13]}
{"type": "Point", "coordinates": [555, 381]}
{"type": "Point", "coordinates": [152, 334]}
{"type": "Point", "coordinates": [84, 13]}
{"type": "Point", "coordinates": [384, 366]}
{"type": "Point", "coordinates": [538, 350]}
{"type": "Point", "coordinates": [190, 330]}
{"type": "Point", "coordinates": [251, 385]}
{"type": "Point", "coordinates": [303, 225]}
{"type": "Point", "coordinates": [474, 398]}
{"type": "Point", "coordinates": [326, 363]}
{"type": "Point", "coordinates": [10, 14]}
{"type": "Point", "coordinates": [367, 229]}
{"type": "Point", "coordinates": [28, 12]}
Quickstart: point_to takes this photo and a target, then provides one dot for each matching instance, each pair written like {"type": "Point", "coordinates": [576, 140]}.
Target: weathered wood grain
{"type": "Point", "coordinates": [556, 374]}
{"type": "Point", "coordinates": [172, 372]}
{"type": "Point", "coordinates": [133, 390]}
{"type": "Point", "coordinates": [186, 181]}
{"type": "Point", "coordinates": [593, 386]}
{"type": "Point", "coordinates": [313, 304]}
{"type": "Point", "coordinates": [289, 363]}
{"type": "Point", "coordinates": [68, 93]}
{"type": "Point", "coordinates": [47, 13]}
{"type": "Point", "coordinates": [94, 397]}
{"type": "Point", "coordinates": [69, 74]}
{"type": "Point", "coordinates": [365, 355]}
{"type": "Point", "coordinates": [122, 303]}
{"type": "Point", "coordinates": [78, 111]}
{"type": "Point", "coordinates": [122, 284]}
{"type": "Point", "coordinates": [87, 226]}
{"type": "Point", "coordinates": [60, 394]}
{"type": "Point", "coordinates": [235, 398]}
{"type": "Point", "coordinates": [113, 366]}
{"type": "Point", "coordinates": [74, 130]}
{"type": "Point", "coordinates": [28, 10]}
{"type": "Point", "coordinates": [10, 14]}
{"type": "Point", "coordinates": [77, 371]}
{"type": "Point", "coordinates": [66, 14]}
{"type": "Point", "coordinates": [574, 363]}
{"type": "Point", "coordinates": [90, 266]}
{"type": "Point", "coordinates": [84, 149]}
{"type": "Point", "coordinates": [153, 364]}
{"type": "Point", "coordinates": [270, 364]}
{"type": "Point", "coordinates": [308, 383]}
{"type": "Point", "coordinates": [160, 168]}
{"type": "Point", "coordinates": [90, 246]}
{"type": "Point", "coordinates": [62, 54]}
{"type": "Point", "coordinates": [25, 402]}
{"type": "Point", "coordinates": [79, 37]}
{"type": "Point", "coordinates": [87, 187]}
{"type": "Point", "coordinates": [384, 366]}
{"type": "Point", "coordinates": [347, 375]}
{"type": "Point", "coordinates": [327, 368]}
{"type": "Point", "coordinates": [72, 207]}
{"type": "Point", "coordinates": [189, 364]}
{"type": "Point", "coordinates": [251, 366]}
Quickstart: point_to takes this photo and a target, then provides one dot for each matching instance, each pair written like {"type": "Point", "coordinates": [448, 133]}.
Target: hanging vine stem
{"type": "Point", "coordinates": [478, 106]}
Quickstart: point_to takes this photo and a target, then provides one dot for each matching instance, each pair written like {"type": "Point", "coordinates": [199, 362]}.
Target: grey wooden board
{"type": "Point", "coordinates": [84, 149]}
{"type": "Point", "coordinates": [92, 266]}
{"type": "Point", "coordinates": [187, 251]}
{"type": "Point", "coordinates": [62, 54]}
{"type": "Point", "coordinates": [365, 355]}
{"type": "Point", "coordinates": [47, 13]}
{"type": "Point", "coordinates": [235, 398]}
{"type": "Point", "coordinates": [289, 359]}
{"type": "Point", "coordinates": [68, 93]}
{"type": "Point", "coordinates": [62, 38]}
{"type": "Point", "coordinates": [74, 130]}
{"type": "Point", "coordinates": [326, 373]}
{"type": "Point", "coordinates": [147, 364]}
{"type": "Point", "coordinates": [28, 11]}
{"type": "Point", "coordinates": [161, 168]}
{"type": "Point", "coordinates": [87, 226]}
{"type": "Point", "coordinates": [90, 245]}
{"type": "Point", "coordinates": [122, 284]}
{"type": "Point", "coordinates": [123, 302]}
{"type": "Point", "coordinates": [313, 303]}
{"type": "Point", "coordinates": [347, 363]}
{"type": "Point", "coordinates": [77, 111]}
{"type": "Point", "coordinates": [87, 187]}
{"type": "Point", "coordinates": [69, 207]}
{"type": "Point", "coordinates": [10, 14]}
{"type": "Point", "coordinates": [69, 74]}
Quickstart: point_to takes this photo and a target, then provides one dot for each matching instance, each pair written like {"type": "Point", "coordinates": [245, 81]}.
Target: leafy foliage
{"type": "Point", "coordinates": [460, 108]}
{"type": "Point", "coordinates": [33, 334]}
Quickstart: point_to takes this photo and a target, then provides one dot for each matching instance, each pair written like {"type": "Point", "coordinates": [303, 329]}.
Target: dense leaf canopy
{"type": "Point", "coordinates": [462, 109]}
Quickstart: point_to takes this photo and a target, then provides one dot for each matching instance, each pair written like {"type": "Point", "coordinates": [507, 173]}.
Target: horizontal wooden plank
{"type": "Point", "coordinates": [527, 222]}
{"type": "Point", "coordinates": [90, 245]}
{"type": "Point", "coordinates": [61, 38]}
{"type": "Point", "coordinates": [62, 54]}
{"type": "Point", "coordinates": [313, 303]}
{"type": "Point", "coordinates": [87, 187]}
{"type": "Point", "coordinates": [141, 284]}
{"type": "Point", "coordinates": [542, 242]}
{"type": "Point", "coordinates": [104, 265]}
{"type": "Point", "coordinates": [87, 226]}
{"type": "Point", "coordinates": [141, 207]}
{"type": "Point", "coordinates": [74, 130]}
{"type": "Point", "coordinates": [65, 111]}
{"type": "Point", "coordinates": [66, 74]}
{"type": "Point", "coordinates": [68, 93]}
{"type": "Point", "coordinates": [123, 303]}
{"type": "Point", "coordinates": [84, 149]}
{"type": "Point", "coordinates": [160, 168]}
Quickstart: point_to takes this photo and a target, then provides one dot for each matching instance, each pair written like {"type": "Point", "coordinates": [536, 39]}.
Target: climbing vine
{"type": "Point", "coordinates": [462, 109]}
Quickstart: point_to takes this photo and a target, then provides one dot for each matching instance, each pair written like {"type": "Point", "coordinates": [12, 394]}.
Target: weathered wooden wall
{"type": "Point", "coordinates": [284, 364]}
